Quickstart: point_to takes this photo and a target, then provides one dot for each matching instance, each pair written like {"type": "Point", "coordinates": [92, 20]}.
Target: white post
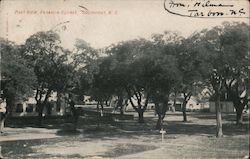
{"type": "Point", "coordinates": [101, 112]}
{"type": "Point", "coordinates": [162, 135]}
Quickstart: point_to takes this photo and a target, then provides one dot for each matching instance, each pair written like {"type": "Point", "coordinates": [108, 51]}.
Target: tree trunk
{"type": "Point", "coordinates": [140, 116]}
{"type": "Point", "coordinates": [219, 132]}
{"type": "Point", "coordinates": [238, 101]}
{"type": "Point", "coordinates": [74, 114]}
{"type": "Point", "coordinates": [120, 104]}
{"type": "Point", "coordinates": [161, 111]}
{"type": "Point", "coordinates": [187, 96]}
{"type": "Point", "coordinates": [40, 107]}
{"type": "Point", "coordinates": [239, 116]}
{"type": "Point", "coordinates": [102, 110]}
{"type": "Point", "coordinates": [2, 119]}
{"type": "Point", "coordinates": [184, 105]}
{"type": "Point", "coordinates": [9, 105]}
{"type": "Point", "coordinates": [106, 103]}
{"type": "Point", "coordinates": [58, 102]}
{"type": "Point", "coordinates": [139, 110]}
{"type": "Point", "coordinates": [159, 122]}
{"type": "Point", "coordinates": [174, 104]}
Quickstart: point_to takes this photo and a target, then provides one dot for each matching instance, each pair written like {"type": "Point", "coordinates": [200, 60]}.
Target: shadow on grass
{"type": "Point", "coordinates": [49, 122]}
{"type": "Point", "coordinates": [99, 128]}
{"type": "Point", "coordinates": [179, 128]}
{"type": "Point", "coordinates": [225, 116]}
{"type": "Point", "coordinates": [194, 129]}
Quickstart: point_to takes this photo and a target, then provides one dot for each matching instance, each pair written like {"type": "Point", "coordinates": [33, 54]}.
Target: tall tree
{"type": "Point", "coordinates": [86, 61]}
{"type": "Point", "coordinates": [208, 46]}
{"type": "Point", "coordinates": [122, 72]}
{"type": "Point", "coordinates": [17, 78]}
{"type": "Point", "coordinates": [236, 60]}
{"type": "Point", "coordinates": [166, 75]}
{"type": "Point", "coordinates": [188, 62]}
{"type": "Point", "coordinates": [223, 51]}
{"type": "Point", "coordinates": [49, 61]}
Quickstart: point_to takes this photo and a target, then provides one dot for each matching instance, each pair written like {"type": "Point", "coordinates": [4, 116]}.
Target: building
{"type": "Point", "coordinates": [226, 106]}
{"type": "Point", "coordinates": [194, 104]}
{"type": "Point", "coordinates": [53, 107]}
{"type": "Point", "coordinates": [177, 107]}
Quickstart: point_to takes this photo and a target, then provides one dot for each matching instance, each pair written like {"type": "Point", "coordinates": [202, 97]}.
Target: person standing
{"type": "Point", "coordinates": [2, 114]}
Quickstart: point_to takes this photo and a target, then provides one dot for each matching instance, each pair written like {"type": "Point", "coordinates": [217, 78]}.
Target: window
{"type": "Point", "coordinates": [19, 108]}
{"type": "Point", "coordinates": [29, 108]}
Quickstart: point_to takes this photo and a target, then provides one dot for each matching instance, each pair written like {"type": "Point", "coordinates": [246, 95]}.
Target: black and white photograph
{"type": "Point", "coordinates": [124, 79]}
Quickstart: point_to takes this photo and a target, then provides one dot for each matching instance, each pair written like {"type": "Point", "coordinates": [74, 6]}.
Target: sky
{"type": "Point", "coordinates": [129, 19]}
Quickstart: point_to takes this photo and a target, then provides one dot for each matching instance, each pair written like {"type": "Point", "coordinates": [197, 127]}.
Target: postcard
{"type": "Point", "coordinates": [124, 79]}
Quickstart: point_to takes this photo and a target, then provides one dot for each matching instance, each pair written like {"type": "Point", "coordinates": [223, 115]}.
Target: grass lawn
{"type": "Point", "coordinates": [127, 139]}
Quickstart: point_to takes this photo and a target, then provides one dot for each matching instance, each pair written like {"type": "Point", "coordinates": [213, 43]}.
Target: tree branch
{"type": "Point", "coordinates": [130, 100]}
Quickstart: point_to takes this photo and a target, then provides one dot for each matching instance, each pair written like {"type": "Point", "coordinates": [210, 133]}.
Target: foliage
{"type": "Point", "coordinates": [50, 63]}
{"type": "Point", "coordinates": [224, 53]}
{"type": "Point", "coordinates": [139, 70]}
{"type": "Point", "coordinates": [17, 77]}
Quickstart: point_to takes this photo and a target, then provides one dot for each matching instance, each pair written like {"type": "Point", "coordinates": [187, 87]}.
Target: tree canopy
{"type": "Point", "coordinates": [139, 70]}
{"type": "Point", "coordinates": [17, 78]}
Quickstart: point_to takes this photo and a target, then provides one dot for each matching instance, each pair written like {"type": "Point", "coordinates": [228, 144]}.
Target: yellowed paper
{"type": "Point", "coordinates": [104, 22]}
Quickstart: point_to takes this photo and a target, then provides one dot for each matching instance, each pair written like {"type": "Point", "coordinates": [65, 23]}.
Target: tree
{"type": "Point", "coordinates": [166, 74]}
{"type": "Point", "coordinates": [188, 62]}
{"type": "Point", "coordinates": [236, 60]}
{"type": "Point", "coordinates": [139, 68]}
{"type": "Point", "coordinates": [236, 87]}
{"type": "Point", "coordinates": [152, 72]}
{"type": "Point", "coordinates": [49, 61]}
{"type": "Point", "coordinates": [216, 82]}
{"type": "Point", "coordinates": [145, 69]}
{"type": "Point", "coordinates": [120, 73]}
{"type": "Point", "coordinates": [17, 78]}
{"type": "Point", "coordinates": [207, 44]}
{"type": "Point", "coordinates": [223, 50]}
{"type": "Point", "coordinates": [102, 83]}
{"type": "Point", "coordinates": [162, 82]}
{"type": "Point", "coordinates": [86, 62]}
